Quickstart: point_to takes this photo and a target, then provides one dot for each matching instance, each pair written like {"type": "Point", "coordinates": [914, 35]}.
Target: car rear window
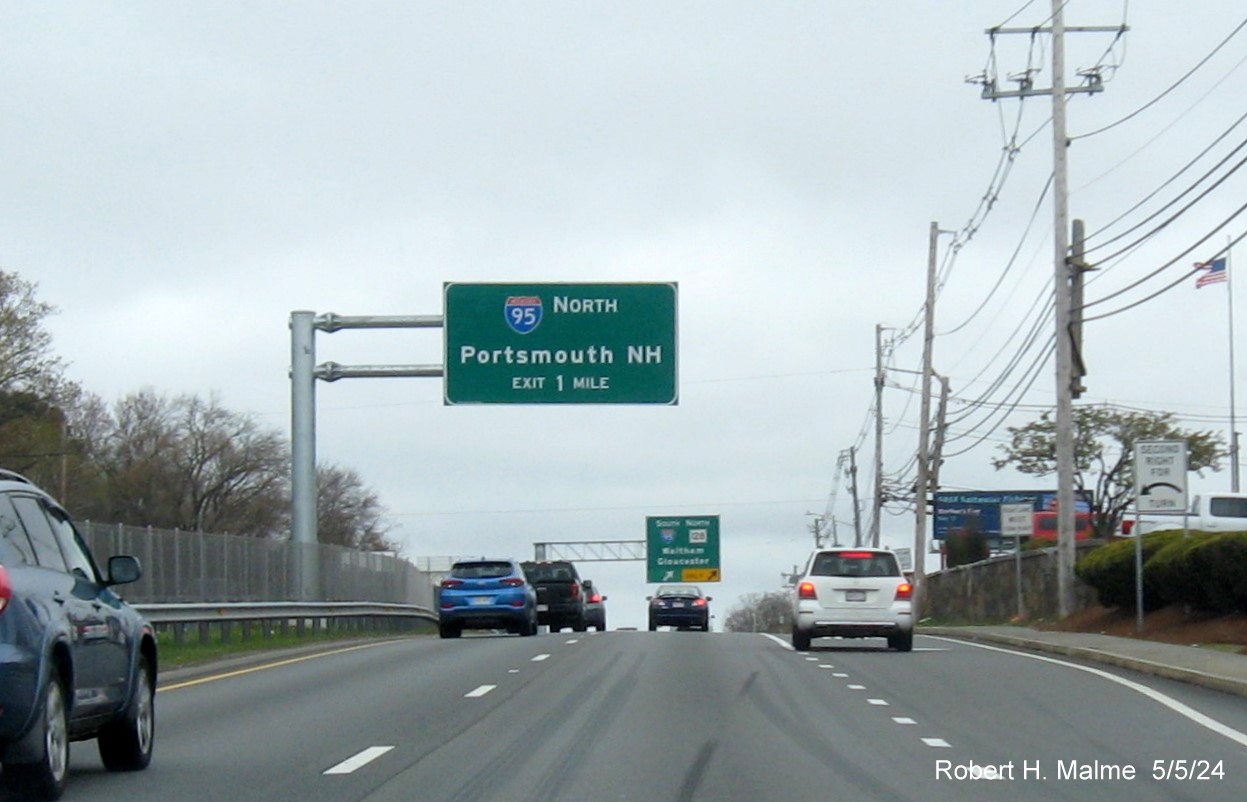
{"type": "Point", "coordinates": [677, 590]}
{"type": "Point", "coordinates": [855, 563]}
{"type": "Point", "coordinates": [549, 572]}
{"type": "Point", "coordinates": [483, 570]}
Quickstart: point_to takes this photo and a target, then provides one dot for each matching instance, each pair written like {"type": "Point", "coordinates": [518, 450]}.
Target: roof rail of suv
{"type": "Point", "coordinates": [13, 476]}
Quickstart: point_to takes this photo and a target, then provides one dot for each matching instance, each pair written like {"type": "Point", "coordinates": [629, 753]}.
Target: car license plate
{"type": "Point", "coordinates": [541, 608]}
{"type": "Point", "coordinates": [482, 599]}
{"type": "Point", "coordinates": [855, 595]}
{"type": "Point", "coordinates": [677, 604]}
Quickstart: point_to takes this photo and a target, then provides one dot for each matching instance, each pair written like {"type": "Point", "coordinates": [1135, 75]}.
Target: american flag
{"type": "Point", "coordinates": [1216, 272]}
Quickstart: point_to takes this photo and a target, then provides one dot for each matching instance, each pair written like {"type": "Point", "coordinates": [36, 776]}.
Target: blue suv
{"type": "Point", "coordinates": [486, 594]}
{"type": "Point", "coordinates": [76, 662]}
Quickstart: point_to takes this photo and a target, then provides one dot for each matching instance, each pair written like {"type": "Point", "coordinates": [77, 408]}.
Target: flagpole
{"type": "Point", "coordinates": [1229, 291]}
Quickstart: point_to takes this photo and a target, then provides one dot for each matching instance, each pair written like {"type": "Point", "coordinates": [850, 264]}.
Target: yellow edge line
{"type": "Point", "coordinates": [267, 666]}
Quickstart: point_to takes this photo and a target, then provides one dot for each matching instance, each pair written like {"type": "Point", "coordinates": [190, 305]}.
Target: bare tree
{"type": "Point", "coordinates": [761, 612]}
{"type": "Point", "coordinates": [349, 514]}
{"type": "Point", "coordinates": [188, 463]}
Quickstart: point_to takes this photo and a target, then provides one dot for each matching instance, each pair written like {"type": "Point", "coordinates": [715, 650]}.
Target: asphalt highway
{"type": "Point", "coordinates": [678, 716]}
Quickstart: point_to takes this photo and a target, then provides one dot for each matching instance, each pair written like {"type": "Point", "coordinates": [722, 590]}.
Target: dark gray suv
{"type": "Point", "coordinates": [76, 662]}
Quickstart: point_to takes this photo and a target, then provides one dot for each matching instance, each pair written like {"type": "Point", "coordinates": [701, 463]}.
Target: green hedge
{"type": "Point", "coordinates": [1206, 570]}
{"type": "Point", "coordinates": [1168, 572]}
{"type": "Point", "coordinates": [1221, 564]}
{"type": "Point", "coordinates": [1110, 569]}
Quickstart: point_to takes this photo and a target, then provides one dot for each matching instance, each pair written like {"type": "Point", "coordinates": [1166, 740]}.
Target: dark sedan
{"type": "Point", "coordinates": [679, 606]}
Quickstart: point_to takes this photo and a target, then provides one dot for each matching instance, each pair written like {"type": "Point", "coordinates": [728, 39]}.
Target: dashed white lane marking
{"type": "Point", "coordinates": [811, 659]}
{"type": "Point", "coordinates": [937, 742]}
{"type": "Point", "coordinates": [480, 691]}
{"type": "Point", "coordinates": [825, 665]}
{"type": "Point", "coordinates": [903, 720]}
{"type": "Point", "coordinates": [513, 671]}
{"type": "Point", "coordinates": [362, 759]}
{"type": "Point", "coordinates": [878, 702]}
{"type": "Point", "coordinates": [1173, 704]}
{"type": "Point", "coordinates": [840, 674]}
{"type": "Point", "coordinates": [539, 657]}
{"type": "Point", "coordinates": [857, 687]}
{"type": "Point", "coordinates": [572, 640]}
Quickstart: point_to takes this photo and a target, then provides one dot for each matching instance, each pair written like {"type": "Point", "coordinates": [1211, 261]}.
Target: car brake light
{"type": "Point", "coordinates": [856, 555]}
{"type": "Point", "coordinates": [595, 598]}
{"type": "Point", "coordinates": [512, 582]}
{"type": "Point", "coordinates": [452, 583]}
{"type": "Point", "coordinates": [806, 591]}
{"type": "Point", "coordinates": [6, 589]}
{"type": "Point", "coordinates": [699, 602]}
{"type": "Point", "coordinates": [904, 591]}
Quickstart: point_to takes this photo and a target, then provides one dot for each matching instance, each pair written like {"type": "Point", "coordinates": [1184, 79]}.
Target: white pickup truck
{"type": "Point", "coordinates": [1209, 512]}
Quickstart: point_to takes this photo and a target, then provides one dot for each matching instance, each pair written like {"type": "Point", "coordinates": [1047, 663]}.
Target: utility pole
{"type": "Point", "coordinates": [857, 511]}
{"type": "Point", "coordinates": [924, 424]}
{"type": "Point", "coordinates": [877, 506]}
{"type": "Point", "coordinates": [1065, 379]}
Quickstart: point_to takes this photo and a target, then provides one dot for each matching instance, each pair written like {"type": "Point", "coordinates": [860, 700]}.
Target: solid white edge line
{"type": "Point", "coordinates": [365, 757]}
{"type": "Point", "coordinates": [1156, 696]}
{"type": "Point", "coordinates": [479, 691]}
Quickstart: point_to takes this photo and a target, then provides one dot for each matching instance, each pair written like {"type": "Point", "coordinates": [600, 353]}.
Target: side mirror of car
{"type": "Point", "coordinates": [123, 569]}
{"type": "Point", "coordinates": [604, 598]}
{"type": "Point", "coordinates": [710, 598]}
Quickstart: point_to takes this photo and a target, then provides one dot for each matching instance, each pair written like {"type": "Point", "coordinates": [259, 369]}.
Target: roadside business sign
{"type": "Point", "coordinates": [560, 343]}
{"type": "Point", "coordinates": [1160, 476]}
{"type": "Point", "coordinates": [990, 511]}
{"type": "Point", "coordinates": [682, 548]}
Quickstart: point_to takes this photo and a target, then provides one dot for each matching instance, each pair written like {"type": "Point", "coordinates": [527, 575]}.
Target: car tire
{"type": "Point", "coordinates": [580, 626]}
{"type": "Point", "coordinates": [902, 641]}
{"type": "Point", "coordinates": [800, 640]}
{"type": "Point", "coordinates": [45, 778]}
{"type": "Point", "coordinates": [652, 626]}
{"type": "Point", "coordinates": [126, 744]}
{"type": "Point", "coordinates": [449, 630]}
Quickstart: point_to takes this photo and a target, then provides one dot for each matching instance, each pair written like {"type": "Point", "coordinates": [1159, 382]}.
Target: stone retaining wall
{"type": "Point", "coordinates": [986, 592]}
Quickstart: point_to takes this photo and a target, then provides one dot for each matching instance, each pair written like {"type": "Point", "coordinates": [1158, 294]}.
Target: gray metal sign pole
{"type": "Point", "coordinates": [303, 373]}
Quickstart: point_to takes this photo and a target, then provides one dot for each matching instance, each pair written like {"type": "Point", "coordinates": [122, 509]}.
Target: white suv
{"type": "Point", "coordinates": [852, 593]}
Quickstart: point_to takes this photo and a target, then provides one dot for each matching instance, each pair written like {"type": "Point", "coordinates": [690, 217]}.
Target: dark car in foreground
{"type": "Point", "coordinates": [560, 596]}
{"type": "Point", "coordinates": [76, 662]}
{"type": "Point", "coordinates": [486, 594]}
{"type": "Point", "coordinates": [679, 606]}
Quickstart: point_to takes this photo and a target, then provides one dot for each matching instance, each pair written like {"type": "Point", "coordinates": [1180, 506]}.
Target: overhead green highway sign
{"type": "Point", "coordinates": [682, 548]}
{"type": "Point", "coordinates": [560, 343]}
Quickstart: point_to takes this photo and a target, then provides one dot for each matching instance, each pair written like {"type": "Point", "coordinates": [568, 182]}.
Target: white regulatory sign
{"type": "Point", "coordinates": [1017, 520]}
{"type": "Point", "coordinates": [1160, 475]}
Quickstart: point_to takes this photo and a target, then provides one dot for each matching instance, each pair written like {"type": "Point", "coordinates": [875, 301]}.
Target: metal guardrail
{"type": "Point", "coordinates": [194, 613]}
{"type": "Point", "coordinates": [282, 617]}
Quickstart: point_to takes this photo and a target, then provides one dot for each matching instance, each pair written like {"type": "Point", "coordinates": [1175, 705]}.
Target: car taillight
{"type": "Point", "coordinates": [904, 591]}
{"type": "Point", "coordinates": [452, 583]}
{"type": "Point", "coordinates": [595, 598]}
{"type": "Point", "coordinates": [806, 591]}
{"type": "Point", "coordinates": [699, 602]}
{"type": "Point", "coordinates": [6, 589]}
{"type": "Point", "coordinates": [512, 582]}
{"type": "Point", "coordinates": [856, 555]}
{"type": "Point", "coordinates": [575, 591]}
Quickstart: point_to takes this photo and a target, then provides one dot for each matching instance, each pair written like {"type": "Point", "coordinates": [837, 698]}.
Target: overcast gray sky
{"type": "Point", "coordinates": [179, 177]}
